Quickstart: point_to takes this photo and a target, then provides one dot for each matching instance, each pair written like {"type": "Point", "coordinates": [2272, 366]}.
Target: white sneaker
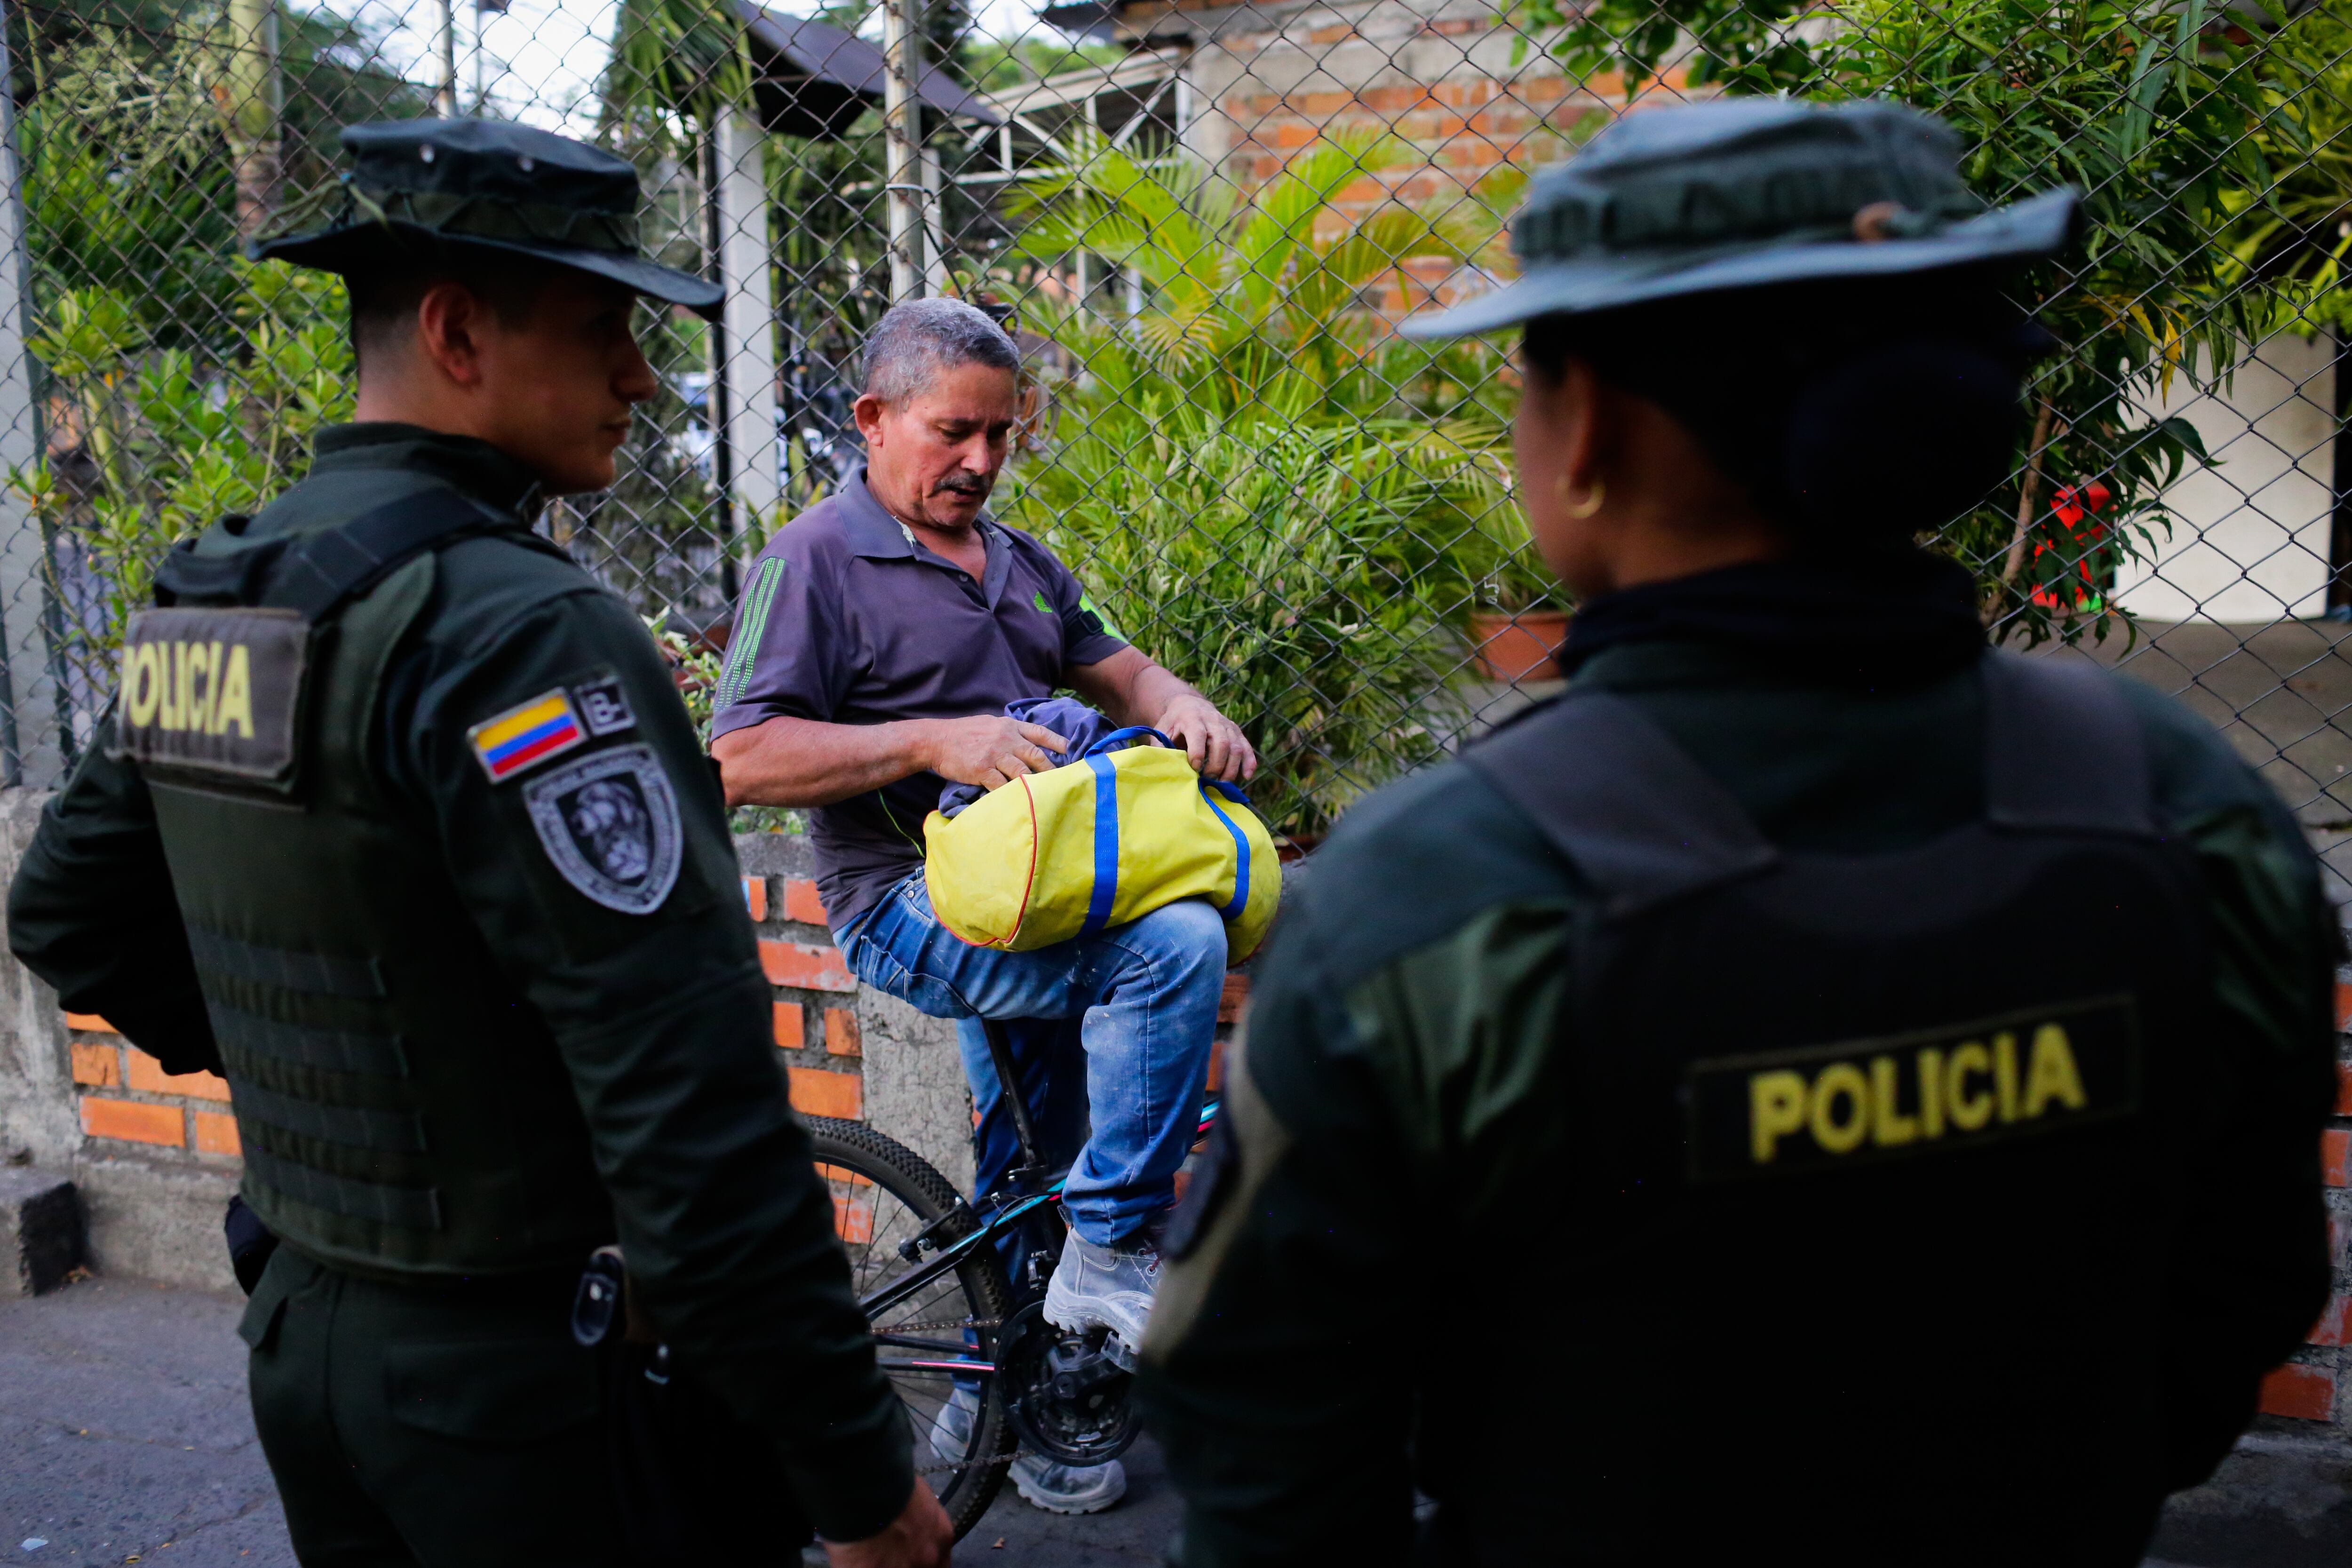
{"type": "Point", "coordinates": [951, 1427]}
{"type": "Point", "coordinates": [1042, 1483]}
{"type": "Point", "coordinates": [1068, 1488]}
{"type": "Point", "coordinates": [1104, 1287]}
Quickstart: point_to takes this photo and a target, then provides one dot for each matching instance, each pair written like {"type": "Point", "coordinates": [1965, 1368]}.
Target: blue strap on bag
{"type": "Point", "coordinates": [1106, 888]}
{"type": "Point", "coordinates": [1210, 790]}
{"type": "Point", "coordinates": [1097, 758]}
{"type": "Point", "coordinates": [1127, 737]}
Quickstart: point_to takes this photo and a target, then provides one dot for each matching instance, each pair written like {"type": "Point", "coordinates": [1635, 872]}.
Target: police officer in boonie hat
{"type": "Point", "coordinates": [446, 892]}
{"type": "Point", "coordinates": [1820, 1090]}
{"type": "Point", "coordinates": [1742, 195]}
{"type": "Point", "coordinates": [420, 187]}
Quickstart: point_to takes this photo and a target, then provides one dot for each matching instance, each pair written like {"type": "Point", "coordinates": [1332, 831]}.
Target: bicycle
{"type": "Point", "coordinates": [931, 1280]}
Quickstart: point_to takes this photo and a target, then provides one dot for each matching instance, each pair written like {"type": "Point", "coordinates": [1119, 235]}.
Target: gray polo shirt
{"type": "Point", "coordinates": [846, 619]}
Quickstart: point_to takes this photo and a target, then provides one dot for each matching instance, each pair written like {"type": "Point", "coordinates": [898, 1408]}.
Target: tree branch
{"type": "Point", "coordinates": [2029, 495]}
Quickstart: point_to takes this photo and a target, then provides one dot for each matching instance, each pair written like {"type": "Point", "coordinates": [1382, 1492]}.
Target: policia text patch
{"type": "Point", "coordinates": [1828, 1107]}
{"type": "Point", "coordinates": [213, 691]}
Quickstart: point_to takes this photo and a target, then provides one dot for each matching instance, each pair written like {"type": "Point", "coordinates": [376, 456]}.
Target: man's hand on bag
{"type": "Point", "coordinates": [1215, 744]}
{"type": "Point", "coordinates": [990, 751]}
{"type": "Point", "coordinates": [920, 1537]}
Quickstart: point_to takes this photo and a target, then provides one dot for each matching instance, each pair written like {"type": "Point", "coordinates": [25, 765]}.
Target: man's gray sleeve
{"type": "Point", "coordinates": [788, 656]}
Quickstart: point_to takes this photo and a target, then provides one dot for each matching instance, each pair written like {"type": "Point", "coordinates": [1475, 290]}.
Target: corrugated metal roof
{"type": "Point", "coordinates": [813, 80]}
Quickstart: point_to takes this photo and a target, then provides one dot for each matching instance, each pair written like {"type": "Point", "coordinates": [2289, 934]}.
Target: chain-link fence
{"type": "Point", "coordinates": [1203, 221]}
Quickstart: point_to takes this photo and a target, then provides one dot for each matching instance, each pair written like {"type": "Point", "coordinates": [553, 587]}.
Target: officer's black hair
{"type": "Point", "coordinates": [1847, 411]}
{"type": "Point", "coordinates": [383, 299]}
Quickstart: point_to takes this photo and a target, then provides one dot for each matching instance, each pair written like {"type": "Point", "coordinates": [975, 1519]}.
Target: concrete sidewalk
{"type": "Point", "coordinates": [124, 1437]}
{"type": "Point", "coordinates": [123, 1431]}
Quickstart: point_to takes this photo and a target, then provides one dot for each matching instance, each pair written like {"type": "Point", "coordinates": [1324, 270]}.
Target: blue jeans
{"type": "Point", "coordinates": [1143, 1000]}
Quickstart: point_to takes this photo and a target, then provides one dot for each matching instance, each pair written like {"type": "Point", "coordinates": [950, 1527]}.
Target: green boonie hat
{"type": "Point", "coordinates": [489, 184]}
{"type": "Point", "coordinates": [1738, 193]}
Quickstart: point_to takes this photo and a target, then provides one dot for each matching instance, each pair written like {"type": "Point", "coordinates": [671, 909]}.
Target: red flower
{"type": "Point", "coordinates": [2076, 585]}
{"type": "Point", "coordinates": [2072, 503]}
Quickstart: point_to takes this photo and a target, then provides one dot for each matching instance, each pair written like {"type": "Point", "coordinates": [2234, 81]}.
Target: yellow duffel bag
{"type": "Point", "coordinates": [1099, 842]}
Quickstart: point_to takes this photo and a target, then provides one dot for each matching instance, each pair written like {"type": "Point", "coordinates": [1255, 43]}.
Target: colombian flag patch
{"type": "Point", "coordinates": [521, 738]}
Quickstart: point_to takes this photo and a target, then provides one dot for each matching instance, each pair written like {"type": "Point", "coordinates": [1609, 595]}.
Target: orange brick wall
{"type": "Point", "coordinates": [128, 1100]}
{"type": "Point", "coordinates": [2315, 1388]}
{"type": "Point", "coordinates": [816, 1029]}
{"type": "Point", "coordinates": [1460, 133]}
{"type": "Point", "coordinates": [1466, 94]}
{"type": "Point", "coordinates": [1460, 129]}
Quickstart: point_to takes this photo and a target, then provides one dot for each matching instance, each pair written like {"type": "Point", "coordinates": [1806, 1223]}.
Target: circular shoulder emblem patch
{"type": "Point", "coordinates": [610, 824]}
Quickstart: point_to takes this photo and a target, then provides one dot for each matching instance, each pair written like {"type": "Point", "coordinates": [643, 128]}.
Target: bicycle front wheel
{"type": "Point", "coordinates": [932, 1342]}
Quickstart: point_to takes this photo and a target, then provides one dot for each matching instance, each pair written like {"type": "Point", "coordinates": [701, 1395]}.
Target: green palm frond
{"type": "Point", "coordinates": [676, 60]}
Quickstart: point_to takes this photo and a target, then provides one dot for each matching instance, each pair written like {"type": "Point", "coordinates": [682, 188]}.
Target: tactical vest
{"type": "Point", "coordinates": [402, 1110]}
{"type": "Point", "coordinates": [1858, 1256]}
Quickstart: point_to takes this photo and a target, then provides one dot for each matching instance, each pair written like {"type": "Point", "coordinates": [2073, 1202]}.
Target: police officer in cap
{"type": "Point", "coordinates": [1820, 1090]}
{"type": "Point", "coordinates": [398, 821]}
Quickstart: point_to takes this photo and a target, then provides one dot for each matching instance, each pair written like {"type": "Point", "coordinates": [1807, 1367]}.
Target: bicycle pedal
{"type": "Point", "coordinates": [1119, 1352]}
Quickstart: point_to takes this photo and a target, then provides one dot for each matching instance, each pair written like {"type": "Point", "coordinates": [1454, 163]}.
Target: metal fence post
{"type": "Point", "coordinates": [935, 240]}
{"type": "Point", "coordinates": [254, 106]}
{"type": "Point", "coordinates": [31, 749]}
{"type": "Point", "coordinates": [750, 323]}
{"type": "Point", "coordinates": [903, 128]}
{"type": "Point", "coordinates": [444, 51]}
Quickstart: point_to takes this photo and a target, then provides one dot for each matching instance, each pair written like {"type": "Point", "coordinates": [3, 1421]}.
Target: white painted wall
{"type": "Point", "coordinates": [2249, 545]}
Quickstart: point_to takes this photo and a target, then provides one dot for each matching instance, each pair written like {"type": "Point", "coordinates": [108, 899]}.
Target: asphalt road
{"type": "Point", "coordinates": [124, 1437]}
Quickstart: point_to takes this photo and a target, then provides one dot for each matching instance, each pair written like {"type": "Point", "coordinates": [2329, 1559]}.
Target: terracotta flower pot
{"type": "Point", "coordinates": [1518, 648]}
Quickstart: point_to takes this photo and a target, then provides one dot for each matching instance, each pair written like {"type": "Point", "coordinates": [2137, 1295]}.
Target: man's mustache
{"type": "Point", "coordinates": [962, 485]}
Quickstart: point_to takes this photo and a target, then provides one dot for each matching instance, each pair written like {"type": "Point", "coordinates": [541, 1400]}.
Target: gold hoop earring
{"type": "Point", "coordinates": [1591, 504]}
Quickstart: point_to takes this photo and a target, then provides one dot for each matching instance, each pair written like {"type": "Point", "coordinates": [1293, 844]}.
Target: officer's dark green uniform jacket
{"type": "Point", "coordinates": [1397, 1287]}
{"type": "Point", "coordinates": [457, 1054]}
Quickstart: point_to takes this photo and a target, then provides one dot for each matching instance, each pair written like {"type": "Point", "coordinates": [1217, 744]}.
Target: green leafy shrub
{"type": "Point", "coordinates": [1293, 573]}
{"type": "Point", "coordinates": [1267, 492]}
{"type": "Point", "coordinates": [2207, 141]}
{"type": "Point", "coordinates": [175, 439]}
{"type": "Point", "coordinates": [2293, 240]}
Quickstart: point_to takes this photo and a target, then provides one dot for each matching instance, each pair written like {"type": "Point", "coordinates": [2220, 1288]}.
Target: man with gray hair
{"type": "Point", "coordinates": [881, 638]}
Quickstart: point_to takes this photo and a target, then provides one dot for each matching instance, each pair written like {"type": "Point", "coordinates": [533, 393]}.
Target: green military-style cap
{"type": "Point", "coordinates": [1740, 194]}
{"type": "Point", "coordinates": [491, 185]}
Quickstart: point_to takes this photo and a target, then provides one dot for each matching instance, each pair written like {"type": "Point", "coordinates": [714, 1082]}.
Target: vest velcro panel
{"type": "Point", "coordinates": [314, 974]}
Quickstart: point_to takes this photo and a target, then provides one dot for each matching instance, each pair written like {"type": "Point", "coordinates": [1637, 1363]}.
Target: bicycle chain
{"type": "Point", "coordinates": [942, 1323]}
{"type": "Point", "coordinates": [999, 1462]}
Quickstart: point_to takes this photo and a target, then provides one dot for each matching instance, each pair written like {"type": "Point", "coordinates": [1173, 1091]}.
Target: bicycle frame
{"type": "Point", "coordinates": [956, 1360]}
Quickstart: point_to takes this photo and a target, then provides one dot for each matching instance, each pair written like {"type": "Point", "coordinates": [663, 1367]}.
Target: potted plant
{"type": "Point", "coordinates": [1521, 645]}
{"type": "Point", "coordinates": [1520, 619]}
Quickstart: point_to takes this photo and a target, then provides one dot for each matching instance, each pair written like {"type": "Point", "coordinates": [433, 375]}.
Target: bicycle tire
{"type": "Point", "coordinates": [971, 1483]}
